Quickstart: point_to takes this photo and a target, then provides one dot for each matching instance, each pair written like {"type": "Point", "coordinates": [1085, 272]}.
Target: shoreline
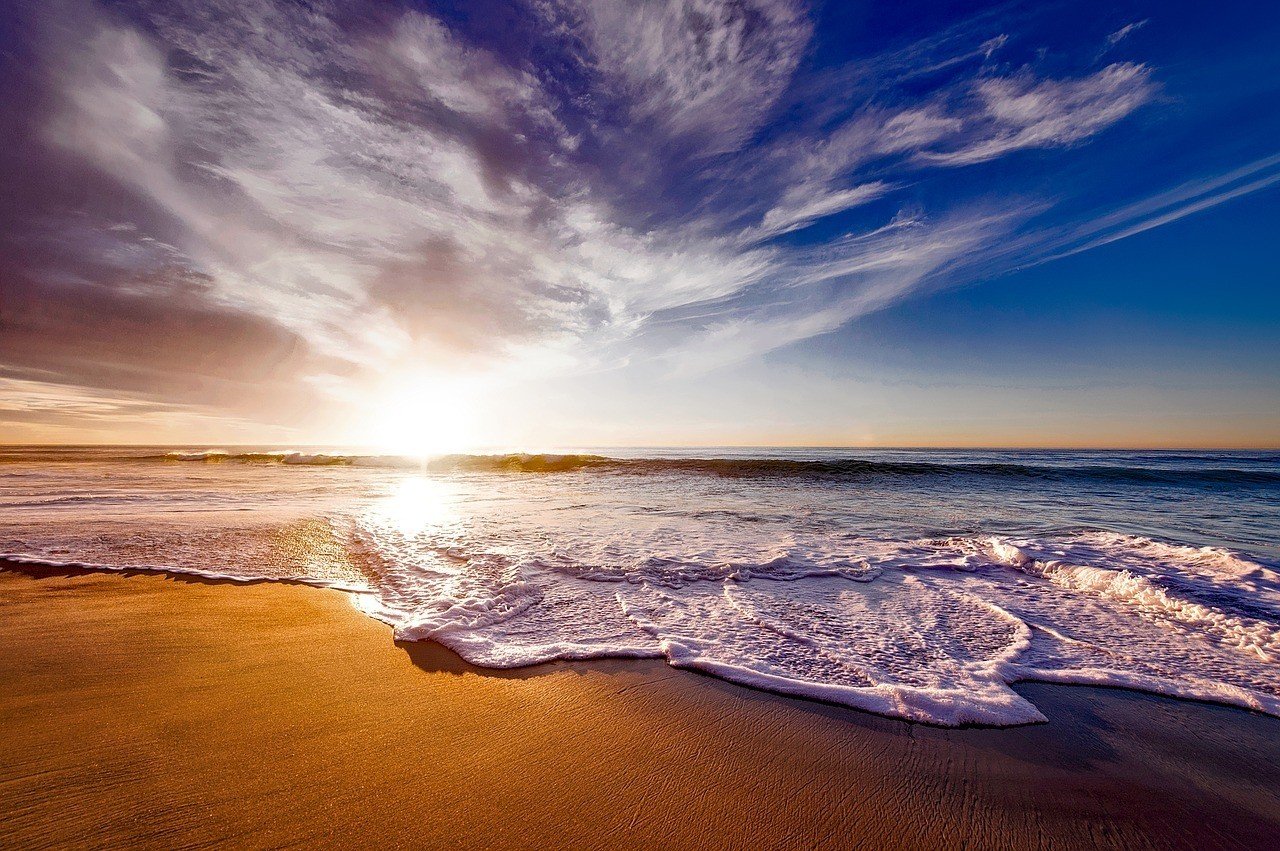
{"type": "Point", "coordinates": [40, 568]}
{"type": "Point", "coordinates": [139, 712]}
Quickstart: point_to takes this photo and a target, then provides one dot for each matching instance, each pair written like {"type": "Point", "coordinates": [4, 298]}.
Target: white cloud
{"type": "Point", "coordinates": [709, 68]}
{"type": "Point", "coordinates": [393, 193]}
{"type": "Point", "coordinates": [1006, 114]}
{"type": "Point", "coordinates": [1022, 112]}
{"type": "Point", "coordinates": [1125, 31]}
{"type": "Point", "coordinates": [805, 204]}
{"type": "Point", "coordinates": [1160, 209]}
{"type": "Point", "coordinates": [826, 287]}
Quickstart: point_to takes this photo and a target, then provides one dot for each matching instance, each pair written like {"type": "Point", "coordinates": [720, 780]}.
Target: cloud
{"type": "Point", "coordinates": [1124, 32]}
{"type": "Point", "coordinates": [157, 336]}
{"type": "Point", "coordinates": [1020, 112]}
{"type": "Point", "coordinates": [711, 69]}
{"type": "Point", "coordinates": [259, 207]}
{"type": "Point", "coordinates": [299, 194]}
{"type": "Point", "coordinates": [1160, 209]}
{"type": "Point", "coordinates": [39, 412]}
{"type": "Point", "coordinates": [828, 286]}
{"type": "Point", "coordinates": [805, 204]}
{"type": "Point", "coordinates": [996, 116]}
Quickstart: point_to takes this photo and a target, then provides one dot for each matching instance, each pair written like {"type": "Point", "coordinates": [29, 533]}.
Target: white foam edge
{"type": "Point", "coordinates": [238, 578]}
{"type": "Point", "coordinates": [940, 707]}
{"type": "Point", "coordinates": [1202, 691]}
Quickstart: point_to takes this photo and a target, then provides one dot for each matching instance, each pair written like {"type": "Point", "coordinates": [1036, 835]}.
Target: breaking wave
{"type": "Point", "coordinates": [1167, 472]}
{"type": "Point", "coordinates": [217, 456]}
{"type": "Point", "coordinates": [918, 585]}
{"type": "Point", "coordinates": [932, 630]}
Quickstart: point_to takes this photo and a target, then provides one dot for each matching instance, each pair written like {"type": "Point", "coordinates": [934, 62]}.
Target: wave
{"type": "Point", "coordinates": [306, 459]}
{"type": "Point", "coordinates": [859, 468]}
{"type": "Point", "coordinates": [929, 630]}
{"type": "Point", "coordinates": [20, 562]}
{"type": "Point", "coordinates": [767, 468]}
{"type": "Point", "coordinates": [1146, 597]}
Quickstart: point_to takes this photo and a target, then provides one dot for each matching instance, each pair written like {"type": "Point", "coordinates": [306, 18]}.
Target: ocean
{"type": "Point", "coordinates": [918, 584]}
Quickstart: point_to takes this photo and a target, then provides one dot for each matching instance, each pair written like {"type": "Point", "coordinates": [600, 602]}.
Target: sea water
{"type": "Point", "coordinates": [918, 584]}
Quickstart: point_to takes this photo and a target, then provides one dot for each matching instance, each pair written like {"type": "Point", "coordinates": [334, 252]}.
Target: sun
{"type": "Point", "coordinates": [422, 417]}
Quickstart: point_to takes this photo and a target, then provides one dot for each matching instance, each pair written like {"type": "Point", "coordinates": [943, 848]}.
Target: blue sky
{"type": "Point", "coordinates": [694, 221]}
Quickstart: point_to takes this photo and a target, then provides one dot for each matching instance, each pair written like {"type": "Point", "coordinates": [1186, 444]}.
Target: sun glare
{"type": "Point", "coordinates": [416, 504]}
{"type": "Point", "coordinates": [422, 417]}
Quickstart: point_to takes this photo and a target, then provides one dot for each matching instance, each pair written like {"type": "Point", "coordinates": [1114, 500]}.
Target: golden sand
{"type": "Point", "coordinates": [150, 711]}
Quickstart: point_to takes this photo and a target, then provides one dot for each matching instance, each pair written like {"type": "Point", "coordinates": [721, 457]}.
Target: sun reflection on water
{"type": "Point", "coordinates": [417, 504]}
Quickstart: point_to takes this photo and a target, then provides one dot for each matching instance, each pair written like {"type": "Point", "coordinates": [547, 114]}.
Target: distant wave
{"type": "Point", "coordinates": [841, 468]}
{"type": "Point", "coordinates": [750, 467]}
{"type": "Point", "coordinates": [306, 459]}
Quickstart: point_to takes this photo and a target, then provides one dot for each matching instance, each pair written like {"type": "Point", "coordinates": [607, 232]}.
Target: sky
{"type": "Point", "coordinates": [435, 226]}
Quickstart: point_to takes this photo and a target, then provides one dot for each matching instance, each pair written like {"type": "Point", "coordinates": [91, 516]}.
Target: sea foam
{"type": "Point", "coordinates": [928, 630]}
{"type": "Point", "coordinates": [813, 587]}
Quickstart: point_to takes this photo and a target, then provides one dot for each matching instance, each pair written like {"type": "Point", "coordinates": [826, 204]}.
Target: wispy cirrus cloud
{"type": "Point", "coordinates": [326, 192]}
{"type": "Point", "coordinates": [1125, 31]}
{"type": "Point", "coordinates": [1020, 112]}
{"type": "Point", "coordinates": [704, 68]}
{"type": "Point", "coordinates": [1160, 209]}
{"type": "Point", "coordinates": [825, 287]}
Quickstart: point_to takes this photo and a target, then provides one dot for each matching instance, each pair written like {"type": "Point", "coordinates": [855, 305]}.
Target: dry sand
{"type": "Point", "coordinates": [148, 711]}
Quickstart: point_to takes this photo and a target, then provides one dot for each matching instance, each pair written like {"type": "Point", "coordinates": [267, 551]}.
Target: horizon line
{"type": "Point", "coordinates": [492, 449]}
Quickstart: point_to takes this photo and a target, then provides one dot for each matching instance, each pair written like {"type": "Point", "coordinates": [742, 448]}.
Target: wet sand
{"type": "Point", "coordinates": [151, 711]}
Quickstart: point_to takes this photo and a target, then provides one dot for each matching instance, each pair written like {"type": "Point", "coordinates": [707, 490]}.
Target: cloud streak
{"type": "Point", "coordinates": [1156, 211]}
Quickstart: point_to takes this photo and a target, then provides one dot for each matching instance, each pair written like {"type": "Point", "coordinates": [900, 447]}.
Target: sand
{"type": "Point", "coordinates": [151, 711]}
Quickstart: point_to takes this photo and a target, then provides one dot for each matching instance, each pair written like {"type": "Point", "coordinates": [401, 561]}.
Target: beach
{"type": "Point", "coordinates": [664, 424]}
{"type": "Point", "coordinates": [148, 710]}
